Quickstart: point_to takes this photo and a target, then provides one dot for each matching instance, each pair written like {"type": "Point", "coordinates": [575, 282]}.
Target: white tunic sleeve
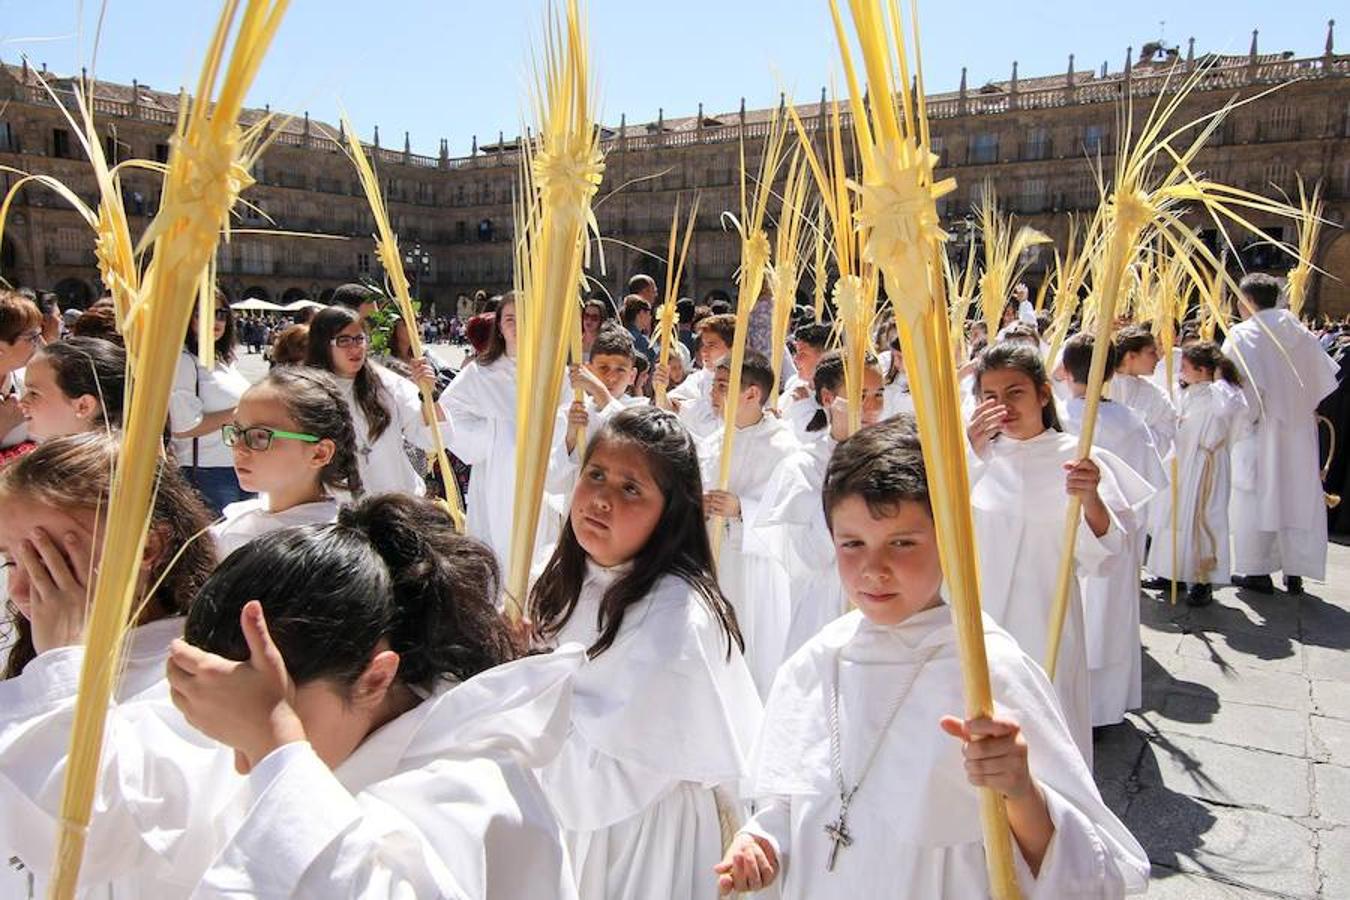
{"type": "Point", "coordinates": [306, 836]}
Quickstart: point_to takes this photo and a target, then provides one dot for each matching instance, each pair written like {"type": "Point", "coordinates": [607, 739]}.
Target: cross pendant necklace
{"type": "Point", "coordinates": [837, 831]}
{"type": "Point", "coordinates": [839, 835]}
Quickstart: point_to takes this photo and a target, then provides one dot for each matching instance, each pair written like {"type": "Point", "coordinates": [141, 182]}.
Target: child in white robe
{"type": "Point", "coordinates": [363, 677]}
{"type": "Point", "coordinates": [1212, 413]}
{"type": "Point", "coordinates": [1111, 601]}
{"type": "Point", "coordinates": [295, 446]}
{"type": "Point", "coordinates": [1024, 471]}
{"type": "Point", "coordinates": [1133, 384]}
{"type": "Point", "coordinates": [664, 713]}
{"type": "Point", "coordinates": [386, 409]}
{"type": "Point", "coordinates": [797, 403]}
{"type": "Point", "coordinates": [152, 814]}
{"type": "Point", "coordinates": [750, 568]}
{"type": "Point", "coordinates": [692, 400]}
{"type": "Point", "coordinates": [860, 705]}
{"type": "Point", "coordinates": [481, 404]}
{"type": "Point", "coordinates": [791, 503]}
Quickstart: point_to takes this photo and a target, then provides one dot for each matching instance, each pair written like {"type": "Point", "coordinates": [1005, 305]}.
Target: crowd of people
{"type": "Point", "coordinates": [710, 691]}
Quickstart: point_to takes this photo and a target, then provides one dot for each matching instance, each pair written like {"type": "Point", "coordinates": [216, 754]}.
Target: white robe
{"type": "Point", "coordinates": [1279, 516]}
{"type": "Point", "coordinates": [1212, 414]}
{"type": "Point", "coordinates": [481, 404]}
{"type": "Point", "coordinates": [915, 820]}
{"type": "Point", "coordinates": [441, 802]}
{"type": "Point", "coordinates": [1019, 505]}
{"type": "Point", "coordinates": [798, 411]}
{"type": "Point", "coordinates": [693, 402]}
{"type": "Point", "coordinates": [249, 519]}
{"type": "Point", "coordinates": [659, 720]}
{"type": "Point", "coordinates": [1150, 402]}
{"type": "Point", "coordinates": [791, 523]}
{"type": "Point", "coordinates": [896, 397]}
{"type": "Point", "coordinates": [160, 783]}
{"type": "Point", "coordinates": [1111, 601]}
{"type": "Point", "coordinates": [750, 568]}
{"type": "Point", "coordinates": [384, 466]}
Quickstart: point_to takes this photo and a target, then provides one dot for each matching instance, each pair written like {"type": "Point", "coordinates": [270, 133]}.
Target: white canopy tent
{"type": "Point", "coordinates": [253, 304]}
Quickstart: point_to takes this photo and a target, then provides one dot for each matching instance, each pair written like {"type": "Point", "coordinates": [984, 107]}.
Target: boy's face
{"type": "Point", "coordinates": [615, 371]}
{"type": "Point", "coordinates": [889, 566]}
{"type": "Point", "coordinates": [750, 402]}
{"type": "Point", "coordinates": [711, 348]}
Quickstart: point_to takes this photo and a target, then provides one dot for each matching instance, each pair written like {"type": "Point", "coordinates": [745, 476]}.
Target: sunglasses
{"type": "Point", "coordinates": [259, 438]}
{"type": "Point", "coordinates": [222, 315]}
{"type": "Point", "coordinates": [347, 341]}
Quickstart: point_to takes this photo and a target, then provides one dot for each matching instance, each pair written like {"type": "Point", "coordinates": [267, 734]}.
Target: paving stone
{"type": "Point", "coordinates": [1331, 739]}
{"type": "Point", "coordinates": [1327, 664]}
{"type": "Point", "coordinates": [1236, 776]}
{"type": "Point", "coordinates": [1167, 884]}
{"type": "Point", "coordinates": [1248, 849]}
{"type": "Point", "coordinates": [1246, 611]}
{"type": "Point", "coordinates": [1333, 858]}
{"type": "Point", "coordinates": [1332, 698]}
{"type": "Point", "coordinates": [1267, 652]}
{"type": "Point", "coordinates": [1243, 683]}
{"type": "Point", "coordinates": [1239, 724]}
{"type": "Point", "coordinates": [1115, 752]}
{"type": "Point", "coordinates": [1331, 784]}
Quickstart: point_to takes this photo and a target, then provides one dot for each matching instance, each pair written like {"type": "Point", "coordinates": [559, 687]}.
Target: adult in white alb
{"type": "Point", "coordinates": [1279, 515]}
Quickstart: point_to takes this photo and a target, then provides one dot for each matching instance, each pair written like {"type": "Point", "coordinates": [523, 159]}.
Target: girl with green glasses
{"type": "Point", "coordinates": [294, 443]}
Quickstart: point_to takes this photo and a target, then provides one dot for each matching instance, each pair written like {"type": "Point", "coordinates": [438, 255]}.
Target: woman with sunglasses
{"type": "Point", "coordinates": [385, 409]}
{"type": "Point", "coordinates": [294, 443]}
{"type": "Point", "coordinates": [20, 336]}
{"type": "Point", "coordinates": [202, 403]}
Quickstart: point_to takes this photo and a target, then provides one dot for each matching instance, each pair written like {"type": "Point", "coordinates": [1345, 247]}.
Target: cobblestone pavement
{"type": "Point", "coordinates": [1235, 776]}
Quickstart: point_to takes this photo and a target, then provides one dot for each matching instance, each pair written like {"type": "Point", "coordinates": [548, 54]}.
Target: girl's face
{"type": "Point", "coordinates": [218, 329]}
{"type": "Point", "coordinates": [48, 411]}
{"type": "Point", "coordinates": [287, 461]}
{"type": "Point", "coordinates": [889, 566]}
{"type": "Point", "coordinates": [616, 503]}
{"type": "Point", "coordinates": [1141, 362]}
{"type": "Point", "coordinates": [347, 361]}
{"type": "Point", "coordinates": [506, 320]}
{"type": "Point", "coordinates": [1193, 374]}
{"type": "Point", "coordinates": [804, 358]}
{"type": "Point", "coordinates": [1022, 402]}
{"type": "Point", "coordinates": [16, 353]}
{"type": "Point", "coordinates": [20, 517]}
{"type": "Point", "coordinates": [873, 397]}
{"type": "Point", "coordinates": [590, 321]}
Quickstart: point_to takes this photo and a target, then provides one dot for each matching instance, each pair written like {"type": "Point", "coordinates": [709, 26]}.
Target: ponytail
{"type": "Point", "coordinates": [1207, 355]}
{"type": "Point", "coordinates": [391, 569]}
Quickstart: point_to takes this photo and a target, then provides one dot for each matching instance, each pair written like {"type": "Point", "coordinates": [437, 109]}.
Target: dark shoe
{"type": "Point", "coordinates": [1156, 583]}
{"type": "Point", "coordinates": [1200, 595]}
{"type": "Point", "coordinates": [1293, 584]}
{"type": "Point", "coordinates": [1261, 584]}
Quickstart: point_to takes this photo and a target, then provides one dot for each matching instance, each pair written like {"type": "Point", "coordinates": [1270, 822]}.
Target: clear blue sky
{"type": "Point", "coordinates": [452, 69]}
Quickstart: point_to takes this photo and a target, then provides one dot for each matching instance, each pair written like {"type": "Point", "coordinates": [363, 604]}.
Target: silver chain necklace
{"type": "Point", "coordinates": [837, 831]}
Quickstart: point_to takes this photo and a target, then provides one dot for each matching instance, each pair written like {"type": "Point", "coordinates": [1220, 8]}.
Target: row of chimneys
{"type": "Point", "coordinates": [661, 117]}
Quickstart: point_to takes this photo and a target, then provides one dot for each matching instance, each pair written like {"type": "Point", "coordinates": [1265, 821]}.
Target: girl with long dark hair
{"type": "Point", "coordinates": [1024, 471]}
{"type": "Point", "coordinates": [364, 679]}
{"type": "Point", "coordinates": [664, 714]}
{"type": "Point", "coordinates": [202, 402]}
{"type": "Point", "coordinates": [385, 408]}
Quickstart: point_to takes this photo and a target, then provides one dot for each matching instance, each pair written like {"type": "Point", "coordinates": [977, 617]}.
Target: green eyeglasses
{"type": "Point", "coordinates": [259, 438]}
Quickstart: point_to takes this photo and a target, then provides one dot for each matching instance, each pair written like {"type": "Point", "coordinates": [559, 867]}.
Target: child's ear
{"type": "Point", "coordinates": [156, 546]}
{"type": "Point", "coordinates": [322, 453]}
{"type": "Point", "coordinates": [86, 405]}
{"type": "Point", "coordinates": [373, 684]}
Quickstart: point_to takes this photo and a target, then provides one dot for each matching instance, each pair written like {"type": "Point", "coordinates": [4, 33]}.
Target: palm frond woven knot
{"type": "Point", "coordinates": [568, 177]}
{"type": "Point", "coordinates": [757, 252]}
{"type": "Point", "coordinates": [898, 207]}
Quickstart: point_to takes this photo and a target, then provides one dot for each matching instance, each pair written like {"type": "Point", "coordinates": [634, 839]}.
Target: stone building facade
{"type": "Point", "coordinates": [1031, 138]}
